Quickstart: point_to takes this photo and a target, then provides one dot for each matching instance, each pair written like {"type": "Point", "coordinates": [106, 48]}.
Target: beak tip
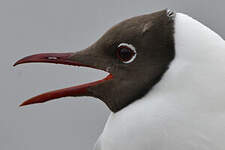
{"type": "Point", "coordinates": [21, 105]}
{"type": "Point", "coordinates": [17, 63]}
{"type": "Point", "coordinates": [25, 103]}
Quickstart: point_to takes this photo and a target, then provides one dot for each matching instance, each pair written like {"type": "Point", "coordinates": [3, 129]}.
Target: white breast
{"type": "Point", "coordinates": [186, 109]}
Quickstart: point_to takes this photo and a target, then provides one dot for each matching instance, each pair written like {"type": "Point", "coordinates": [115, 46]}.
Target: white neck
{"type": "Point", "coordinates": [196, 76]}
{"type": "Point", "coordinates": [186, 109]}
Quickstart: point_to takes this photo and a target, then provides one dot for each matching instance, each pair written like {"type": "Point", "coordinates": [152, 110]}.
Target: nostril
{"type": "Point", "coordinates": [52, 58]}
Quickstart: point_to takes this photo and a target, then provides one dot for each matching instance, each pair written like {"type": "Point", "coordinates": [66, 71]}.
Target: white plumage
{"type": "Point", "coordinates": [186, 109]}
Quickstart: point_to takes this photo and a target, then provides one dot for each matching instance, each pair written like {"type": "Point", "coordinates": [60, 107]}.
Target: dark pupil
{"type": "Point", "coordinates": [125, 54]}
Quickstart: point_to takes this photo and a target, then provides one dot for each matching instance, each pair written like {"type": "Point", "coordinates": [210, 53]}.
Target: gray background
{"type": "Point", "coordinates": [28, 27]}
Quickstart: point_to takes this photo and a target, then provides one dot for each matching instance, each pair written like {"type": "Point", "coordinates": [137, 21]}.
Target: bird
{"type": "Point", "coordinates": [165, 86]}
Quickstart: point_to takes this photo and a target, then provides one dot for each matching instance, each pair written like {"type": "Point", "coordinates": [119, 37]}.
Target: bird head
{"type": "Point", "coordinates": [135, 53]}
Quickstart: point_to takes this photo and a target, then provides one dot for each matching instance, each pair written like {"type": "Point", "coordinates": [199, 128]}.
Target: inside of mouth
{"type": "Point", "coordinates": [78, 90]}
{"type": "Point", "coordinates": [60, 58]}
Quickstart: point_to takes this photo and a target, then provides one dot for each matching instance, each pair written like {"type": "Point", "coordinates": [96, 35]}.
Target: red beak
{"type": "Point", "coordinates": [59, 58]}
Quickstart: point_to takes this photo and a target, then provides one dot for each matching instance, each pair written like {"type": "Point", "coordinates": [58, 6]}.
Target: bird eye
{"type": "Point", "coordinates": [126, 52]}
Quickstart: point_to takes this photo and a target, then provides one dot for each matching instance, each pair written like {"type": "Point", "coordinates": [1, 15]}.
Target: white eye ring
{"type": "Point", "coordinates": [132, 48]}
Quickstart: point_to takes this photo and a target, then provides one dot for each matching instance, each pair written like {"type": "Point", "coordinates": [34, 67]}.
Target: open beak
{"type": "Point", "coordinates": [66, 59]}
